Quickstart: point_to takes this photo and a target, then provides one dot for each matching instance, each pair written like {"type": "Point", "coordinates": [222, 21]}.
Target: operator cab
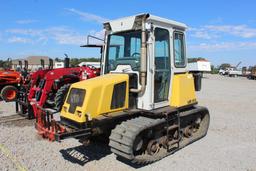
{"type": "Point", "coordinates": [165, 55]}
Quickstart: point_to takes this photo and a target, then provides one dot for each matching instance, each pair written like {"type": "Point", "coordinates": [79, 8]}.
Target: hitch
{"type": "Point", "coordinates": [48, 127]}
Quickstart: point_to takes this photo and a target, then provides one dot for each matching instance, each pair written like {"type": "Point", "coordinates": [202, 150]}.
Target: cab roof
{"type": "Point", "coordinates": [127, 23]}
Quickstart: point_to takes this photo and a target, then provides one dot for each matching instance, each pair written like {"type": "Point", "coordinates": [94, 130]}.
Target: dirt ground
{"type": "Point", "coordinates": [229, 145]}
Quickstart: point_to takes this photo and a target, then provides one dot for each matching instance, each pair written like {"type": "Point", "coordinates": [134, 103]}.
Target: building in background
{"type": "Point", "coordinates": [34, 62]}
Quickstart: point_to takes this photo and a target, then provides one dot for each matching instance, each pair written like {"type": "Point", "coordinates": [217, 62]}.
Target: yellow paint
{"type": "Point", "coordinates": [9, 155]}
{"type": "Point", "coordinates": [183, 90]}
{"type": "Point", "coordinates": [98, 97]}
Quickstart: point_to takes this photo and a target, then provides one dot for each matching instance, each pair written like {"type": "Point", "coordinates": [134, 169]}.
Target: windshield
{"type": "Point", "coordinates": [123, 49]}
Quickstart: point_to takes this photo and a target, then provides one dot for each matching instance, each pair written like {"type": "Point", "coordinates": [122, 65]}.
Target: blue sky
{"type": "Point", "coordinates": [222, 31]}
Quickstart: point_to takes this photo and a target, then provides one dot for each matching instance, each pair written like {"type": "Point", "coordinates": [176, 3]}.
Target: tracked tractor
{"type": "Point", "coordinates": [144, 100]}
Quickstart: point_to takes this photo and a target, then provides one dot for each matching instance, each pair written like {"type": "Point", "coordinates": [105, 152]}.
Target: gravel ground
{"type": "Point", "coordinates": [7, 109]}
{"type": "Point", "coordinates": [229, 145]}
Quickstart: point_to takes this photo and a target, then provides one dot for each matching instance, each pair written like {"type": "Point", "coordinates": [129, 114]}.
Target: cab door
{"type": "Point", "coordinates": [162, 71]}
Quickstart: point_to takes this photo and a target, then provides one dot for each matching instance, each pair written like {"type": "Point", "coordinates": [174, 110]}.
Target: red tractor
{"type": "Point", "coordinates": [50, 91]}
{"type": "Point", "coordinates": [10, 81]}
{"type": "Point", "coordinates": [23, 106]}
{"type": "Point", "coordinates": [45, 124]}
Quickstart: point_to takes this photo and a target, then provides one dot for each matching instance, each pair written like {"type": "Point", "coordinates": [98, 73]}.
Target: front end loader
{"type": "Point", "coordinates": [48, 88]}
{"type": "Point", "coordinates": [145, 99]}
{"type": "Point", "coordinates": [23, 106]}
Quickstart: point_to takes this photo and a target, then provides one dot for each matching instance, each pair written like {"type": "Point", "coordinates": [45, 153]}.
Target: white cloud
{"type": "Point", "coordinates": [223, 46]}
{"type": "Point", "coordinates": [27, 21]}
{"type": "Point", "coordinates": [19, 40]}
{"type": "Point", "coordinates": [29, 32]}
{"type": "Point", "coordinates": [87, 16]}
{"type": "Point", "coordinates": [237, 30]}
{"type": "Point", "coordinates": [216, 31]}
{"type": "Point", "coordinates": [65, 36]}
{"type": "Point", "coordinates": [201, 33]}
{"type": "Point", "coordinates": [62, 35]}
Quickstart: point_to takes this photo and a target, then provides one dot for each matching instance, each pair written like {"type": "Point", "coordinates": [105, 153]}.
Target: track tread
{"type": "Point", "coordinates": [123, 136]}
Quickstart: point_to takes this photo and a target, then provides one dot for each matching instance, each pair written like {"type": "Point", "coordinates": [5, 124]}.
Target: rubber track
{"type": "Point", "coordinates": [123, 137]}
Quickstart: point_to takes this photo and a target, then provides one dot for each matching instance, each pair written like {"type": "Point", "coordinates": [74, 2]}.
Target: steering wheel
{"type": "Point", "coordinates": [135, 54]}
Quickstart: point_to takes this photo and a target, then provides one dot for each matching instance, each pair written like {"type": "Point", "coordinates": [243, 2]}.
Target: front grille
{"type": "Point", "coordinates": [118, 97]}
{"type": "Point", "coordinates": [75, 98]}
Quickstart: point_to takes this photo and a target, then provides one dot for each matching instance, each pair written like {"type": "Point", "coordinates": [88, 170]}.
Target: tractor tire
{"type": "Point", "coordinates": [9, 93]}
{"type": "Point", "coordinates": [61, 96]}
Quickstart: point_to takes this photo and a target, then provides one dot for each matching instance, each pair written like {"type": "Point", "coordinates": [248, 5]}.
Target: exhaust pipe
{"type": "Point", "coordinates": [26, 64]}
{"type": "Point", "coordinates": [50, 63]}
{"type": "Point", "coordinates": [20, 64]}
{"type": "Point", "coordinates": [66, 62]}
{"type": "Point", "coordinates": [42, 63]}
{"type": "Point", "coordinates": [9, 63]}
{"type": "Point", "coordinates": [143, 58]}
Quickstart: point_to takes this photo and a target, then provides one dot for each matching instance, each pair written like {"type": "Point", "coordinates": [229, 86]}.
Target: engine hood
{"type": "Point", "coordinates": [91, 98]}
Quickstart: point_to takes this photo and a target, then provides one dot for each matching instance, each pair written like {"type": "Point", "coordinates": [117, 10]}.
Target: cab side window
{"type": "Point", "coordinates": [179, 50]}
{"type": "Point", "coordinates": [162, 65]}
